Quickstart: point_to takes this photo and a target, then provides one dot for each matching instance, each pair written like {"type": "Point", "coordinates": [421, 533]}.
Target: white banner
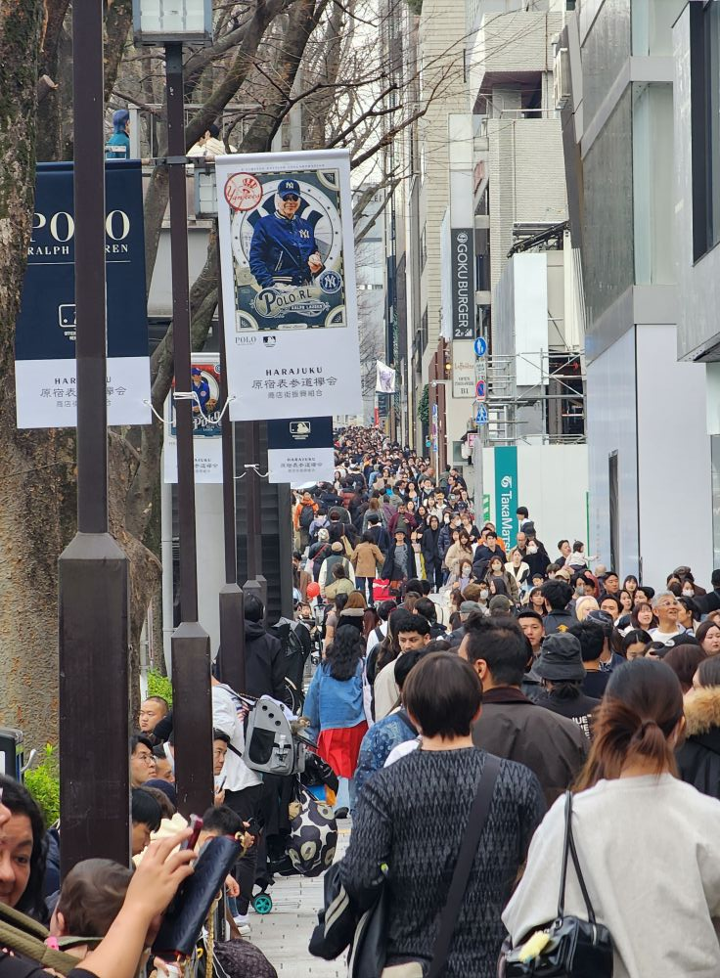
{"type": "Point", "coordinates": [288, 279]}
{"type": "Point", "coordinates": [47, 392]}
{"type": "Point", "coordinates": [301, 466]}
{"type": "Point", "coordinates": [385, 379]}
{"type": "Point", "coordinates": [463, 368]}
{"type": "Point", "coordinates": [207, 432]}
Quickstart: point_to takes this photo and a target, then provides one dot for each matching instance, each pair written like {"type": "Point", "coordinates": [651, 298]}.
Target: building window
{"type": "Point", "coordinates": [424, 331]}
{"type": "Point", "coordinates": [705, 94]}
{"type": "Point", "coordinates": [423, 249]}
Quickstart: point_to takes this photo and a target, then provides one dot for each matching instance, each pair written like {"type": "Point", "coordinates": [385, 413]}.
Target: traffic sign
{"type": "Point", "coordinates": [481, 390]}
{"type": "Point", "coordinates": [480, 346]}
{"type": "Point", "coordinates": [482, 415]}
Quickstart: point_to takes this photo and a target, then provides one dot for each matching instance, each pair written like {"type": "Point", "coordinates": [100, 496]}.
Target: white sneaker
{"type": "Point", "coordinates": [243, 925]}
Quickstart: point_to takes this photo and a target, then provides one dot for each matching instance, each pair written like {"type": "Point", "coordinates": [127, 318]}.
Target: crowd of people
{"type": "Point", "coordinates": [444, 647]}
{"type": "Point", "coordinates": [454, 669]}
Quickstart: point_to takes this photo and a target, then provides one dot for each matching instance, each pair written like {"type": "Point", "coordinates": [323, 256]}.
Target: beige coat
{"type": "Point", "coordinates": [366, 559]}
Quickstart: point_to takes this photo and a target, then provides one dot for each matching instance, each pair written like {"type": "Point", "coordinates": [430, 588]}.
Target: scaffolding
{"type": "Point", "coordinates": [549, 411]}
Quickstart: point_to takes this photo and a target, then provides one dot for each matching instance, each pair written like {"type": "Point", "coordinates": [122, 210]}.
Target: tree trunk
{"type": "Point", "coordinates": [38, 487]}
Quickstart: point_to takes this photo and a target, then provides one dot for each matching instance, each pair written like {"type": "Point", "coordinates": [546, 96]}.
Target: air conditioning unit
{"type": "Point", "coordinates": [561, 78]}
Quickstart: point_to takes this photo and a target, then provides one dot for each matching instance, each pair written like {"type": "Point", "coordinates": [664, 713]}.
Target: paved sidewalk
{"type": "Point", "coordinates": [283, 934]}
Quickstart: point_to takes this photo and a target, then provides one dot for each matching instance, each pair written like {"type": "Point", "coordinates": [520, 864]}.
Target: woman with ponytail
{"type": "Point", "coordinates": [648, 844]}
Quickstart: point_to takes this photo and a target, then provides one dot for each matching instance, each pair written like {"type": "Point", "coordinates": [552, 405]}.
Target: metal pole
{"type": "Point", "coordinates": [231, 664]}
{"type": "Point", "coordinates": [93, 570]}
{"type": "Point", "coordinates": [254, 530]}
{"type": "Point", "coordinates": [190, 643]}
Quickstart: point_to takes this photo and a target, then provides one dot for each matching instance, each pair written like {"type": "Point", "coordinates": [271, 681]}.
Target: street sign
{"type": "Point", "coordinates": [480, 346]}
{"type": "Point", "coordinates": [481, 390]}
{"type": "Point", "coordinates": [482, 415]}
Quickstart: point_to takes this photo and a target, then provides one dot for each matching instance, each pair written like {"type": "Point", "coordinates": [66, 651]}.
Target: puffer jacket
{"type": "Point", "coordinates": [698, 759]}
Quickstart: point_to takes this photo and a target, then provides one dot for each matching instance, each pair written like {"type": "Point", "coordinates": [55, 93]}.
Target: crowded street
{"type": "Point", "coordinates": [360, 537]}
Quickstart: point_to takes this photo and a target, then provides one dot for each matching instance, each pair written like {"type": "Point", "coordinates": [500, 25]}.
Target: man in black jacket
{"type": "Point", "coordinates": [557, 595]}
{"type": "Point", "coordinates": [264, 658]}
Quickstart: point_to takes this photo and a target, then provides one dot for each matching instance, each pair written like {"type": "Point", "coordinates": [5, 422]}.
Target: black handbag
{"type": "Point", "coordinates": [576, 948]}
{"type": "Point", "coordinates": [183, 922]}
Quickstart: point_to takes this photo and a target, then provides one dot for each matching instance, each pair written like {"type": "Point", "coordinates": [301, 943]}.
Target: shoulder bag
{"type": "Point", "coordinates": [570, 947]}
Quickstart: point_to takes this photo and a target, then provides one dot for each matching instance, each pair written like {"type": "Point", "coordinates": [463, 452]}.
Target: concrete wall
{"type": "Point", "coordinates": [612, 427]}
{"type": "Point", "coordinates": [513, 42]}
{"type": "Point", "coordinates": [675, 487]}
{"type": "Point", "coordinates": [442, 29]}
{"type": "Point", "coordinates": [649, 408]}
{"type": "Point", "coordinates": [526, 180]}
{"type": "Point", "coordinates": [552, 481]}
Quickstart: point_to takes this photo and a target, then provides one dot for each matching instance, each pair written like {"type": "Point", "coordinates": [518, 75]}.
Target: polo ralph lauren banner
{"type": "Point", "coordinates": [45, 381]}
{"type": "Point", "coordinates": [288, 281]}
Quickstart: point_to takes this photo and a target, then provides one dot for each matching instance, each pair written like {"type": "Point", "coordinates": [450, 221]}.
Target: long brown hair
{"type": "Point", "coordinates": [642, 705]}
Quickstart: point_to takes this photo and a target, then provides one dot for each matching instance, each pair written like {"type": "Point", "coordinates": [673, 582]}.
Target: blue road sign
{"type": "Point", "coordinates": [480, 346]}
{"type": "Point", "coordinates": [482, 415]}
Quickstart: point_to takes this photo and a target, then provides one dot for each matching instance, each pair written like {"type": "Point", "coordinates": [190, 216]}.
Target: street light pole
{"type": "Point", "coordinates": [190, 643]}
{"type": "Point", "coordinates": [93, 570]}
{"type": "Point", "coordinates": [232, 599]}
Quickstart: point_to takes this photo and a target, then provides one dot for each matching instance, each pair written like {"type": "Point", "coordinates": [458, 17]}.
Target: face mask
{"type": "Point", "coordinates": [580, 589]}
{"type": "Point", "coordinates": [447, 519]}
{"type": "Point", "coordinates": [531, 549]}
{"type": "Point", "coordinates": [483, 595]}
{"type": "Point", "coordinates": [688, 592]}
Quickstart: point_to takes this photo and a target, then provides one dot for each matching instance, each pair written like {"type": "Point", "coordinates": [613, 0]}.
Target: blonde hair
{"type": "Point", "coordinates": [584, 605]}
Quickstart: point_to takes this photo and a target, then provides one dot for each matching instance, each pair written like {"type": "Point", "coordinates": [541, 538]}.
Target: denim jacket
{"type": "Point", "coordinates": [333, 704]}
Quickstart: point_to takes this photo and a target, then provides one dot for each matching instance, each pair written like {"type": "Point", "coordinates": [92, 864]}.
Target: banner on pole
{"type": "Point", "coordinates": [207, 424]}
{"type": "Point", "coordinates": [385, 379]}
{"type": "Point", "coordinates": [301, 451]}
{"type": "Point", "coordinates": [45, 372]}
{"type": "Point", "coordinates": [288, 281]}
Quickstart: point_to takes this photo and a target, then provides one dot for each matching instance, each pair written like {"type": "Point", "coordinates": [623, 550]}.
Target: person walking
{"type": "Point", "coordinates": [334, 706]}
{"type": "Point", "coordinates": [434, 786]}
{"type": "Point", "coordinates": [430, 547]}
{"type": "Point", "coordinates": [366, 559]}
{"type": "Point", "coordinates": [658, 892]}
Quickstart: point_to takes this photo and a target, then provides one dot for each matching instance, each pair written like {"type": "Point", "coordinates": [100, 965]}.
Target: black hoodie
{"type": "Point", "coordinates": [264, 663]}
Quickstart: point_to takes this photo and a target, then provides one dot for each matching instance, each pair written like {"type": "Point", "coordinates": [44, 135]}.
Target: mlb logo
{"type": "Point", "coordinates": [269, 340]}
{"type": "Point", "coordinates": [300, 429]}
{"type": "Point", "coordinates": [66, 316]}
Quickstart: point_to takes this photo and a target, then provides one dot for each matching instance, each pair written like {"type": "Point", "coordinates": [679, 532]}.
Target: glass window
{"type": "Point", "coordinates": [705, 114]}
{"type": "Point", "coordinates": [653, 183]}
{"type": "Point", "coordinates": [652, 22]}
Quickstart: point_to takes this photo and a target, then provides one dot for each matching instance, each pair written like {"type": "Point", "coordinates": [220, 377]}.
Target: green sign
{"type": "Point", "coordinates": [486, 507]}
{"type": "Point", "coordinates": [506, 493]}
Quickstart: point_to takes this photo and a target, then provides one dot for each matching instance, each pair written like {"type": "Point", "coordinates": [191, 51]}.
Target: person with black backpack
{"type": "Point", "coordinates": [303, 517]}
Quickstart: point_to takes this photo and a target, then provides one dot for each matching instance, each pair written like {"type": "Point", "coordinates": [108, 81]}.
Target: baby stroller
{"type": "Point", "coordinates": [300, 832]}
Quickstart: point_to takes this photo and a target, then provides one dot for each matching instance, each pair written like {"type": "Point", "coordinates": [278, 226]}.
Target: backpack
{"type": "Point", "coordinates": [307, 515]}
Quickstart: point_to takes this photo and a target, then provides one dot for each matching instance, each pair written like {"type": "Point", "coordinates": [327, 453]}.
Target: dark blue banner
{"type": "Point", "coordinates": [46, 324]}
{"type": "Point", "coordinates": [45, 370]}
{"type": "Point", "coordinates": [305, 433]}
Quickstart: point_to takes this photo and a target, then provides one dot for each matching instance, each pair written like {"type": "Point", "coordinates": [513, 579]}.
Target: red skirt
{"type": "Point", "coordinates": [340, 748]}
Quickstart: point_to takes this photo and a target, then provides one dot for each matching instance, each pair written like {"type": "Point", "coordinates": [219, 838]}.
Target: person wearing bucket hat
{"type": "Point", "coordinates": [283, 251]}
{"type": "Point", "coordinates": [561, 671]}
